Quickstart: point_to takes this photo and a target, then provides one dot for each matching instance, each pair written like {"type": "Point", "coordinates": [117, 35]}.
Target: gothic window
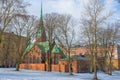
{"type": "Point", "coordinates": [31, 60]}
{"type": "Point", "coordinates": [43, 59]}
{"type": "Point", "coordinates": [56, 60]}
{"type": "Point", "coordinates": [38, 60]}
{"type": "Point", "coordinates": [26, 60]}
{"type": "Point", "coordinates": [34, 59]}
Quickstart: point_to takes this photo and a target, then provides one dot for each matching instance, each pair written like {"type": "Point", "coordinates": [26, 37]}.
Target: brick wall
{"type": "Point", "coordinates": [55, 67]}
{"type": "Point", "coordinates": [77, 66]}
{"type": "Point", "coordinates": [33, 66]}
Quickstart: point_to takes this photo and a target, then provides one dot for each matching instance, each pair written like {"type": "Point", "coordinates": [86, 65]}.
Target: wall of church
{"type": "Point", "coordinates": [62, 65]}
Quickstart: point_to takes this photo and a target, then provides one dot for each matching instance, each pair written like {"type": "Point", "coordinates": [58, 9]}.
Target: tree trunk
{"type": "Point", "coordinates": [49, 65]}
{"type": "Point", "coordinates": [49, 61]}
{"type": "Point", "coordinates": [95, 50]}
{"type": "Point", "coordinates": [91, 65]}
{"type": "Point", "coordinates": [95, 68]}
{"type": "Point", "coordinates": [70, 64]}
{"type": "Point", "coordinates": [110, 66]}
{"type": "Point", "coordinates": [70, 69]}
{"type": "Point", "coordinates": [17, 66]}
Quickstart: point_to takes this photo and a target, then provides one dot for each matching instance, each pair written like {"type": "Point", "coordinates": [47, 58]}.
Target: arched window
{"type": "Point", "coordinates": [34, 59]}
{"type": "Point", "coordinates": [43, 58]}
{"type": "Point", "coordinates": [26, 59]}
{"type": "Point", "coordinates": [38, 60]}
{"type": "Point", "coordinates": [31, 61]}
{"type": "Point", "coordinates": [55, 60]}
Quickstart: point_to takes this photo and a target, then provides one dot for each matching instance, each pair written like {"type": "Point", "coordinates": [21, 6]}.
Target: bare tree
{"type": "Point", "coordinates": [112, 38]}
{"type": "Point", "coordinates": [50, 26]}
{"type": "Point", "coordinates": [23, 28]}
{"type": "Point", "coordinates": [65, 36]}
{"type": "Point", "coordinates": [88, 40]}
{"type": "Point", "coordinates": [93, 14]}
{"type": "Point", "coordinates": [8, 10]}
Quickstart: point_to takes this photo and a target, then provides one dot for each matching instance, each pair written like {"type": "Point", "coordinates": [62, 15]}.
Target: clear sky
{"type": "Point", "coordinates": [73, 7]}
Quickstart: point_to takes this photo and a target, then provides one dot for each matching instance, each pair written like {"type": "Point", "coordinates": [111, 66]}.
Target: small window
{"type": "Point", "coordinates": [26, 60]}
{"type": "Point", "coordinates": [56, 60]}
{"type": "Point", "coordinates": [31, 60]}
{"type": "Point", "coordinates": [34, 59]}
{"type": "Point", "coordinates": [43, 59]}
{"type": "Point", "coordinates": [38, 60]}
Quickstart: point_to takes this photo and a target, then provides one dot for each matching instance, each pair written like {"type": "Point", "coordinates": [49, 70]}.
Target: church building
{"type": "Point", "coordinates": [37, 53]}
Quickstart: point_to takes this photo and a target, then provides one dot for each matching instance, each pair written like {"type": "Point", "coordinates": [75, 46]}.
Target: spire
{"type": "Point", "coordinates": [41, 12]}
{"type": "Point", "coordinates": [40, 36]}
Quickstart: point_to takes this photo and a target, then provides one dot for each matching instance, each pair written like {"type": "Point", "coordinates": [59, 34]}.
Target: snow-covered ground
{"type": "Point", "coordinates": [11, 74]}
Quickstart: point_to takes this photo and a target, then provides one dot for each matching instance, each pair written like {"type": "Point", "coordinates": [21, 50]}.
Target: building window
{"type": "Point", "coordinates": [38, 60]}
{"type": "Point", "coordinates": [26, 60]}
{"type": "Point", "coordinates": [55, 60]}
{"type": "Point", "coordinates": [43, 59]}
{"type": "Point", "coordinates": [34, 59]}
{"type": "Point", "coordinates": [31, 60]}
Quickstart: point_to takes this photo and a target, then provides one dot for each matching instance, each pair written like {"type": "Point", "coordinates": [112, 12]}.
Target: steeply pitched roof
{"type": "Point", "coordinates": [43, 46]}
{"type": "Point", "coordinates": [29, 47]}
{"type": "Point", "coordinates": [56, 49]}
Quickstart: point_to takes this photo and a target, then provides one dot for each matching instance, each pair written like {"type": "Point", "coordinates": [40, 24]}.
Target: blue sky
{"type": "Point", "coordinates": [72, 7]}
